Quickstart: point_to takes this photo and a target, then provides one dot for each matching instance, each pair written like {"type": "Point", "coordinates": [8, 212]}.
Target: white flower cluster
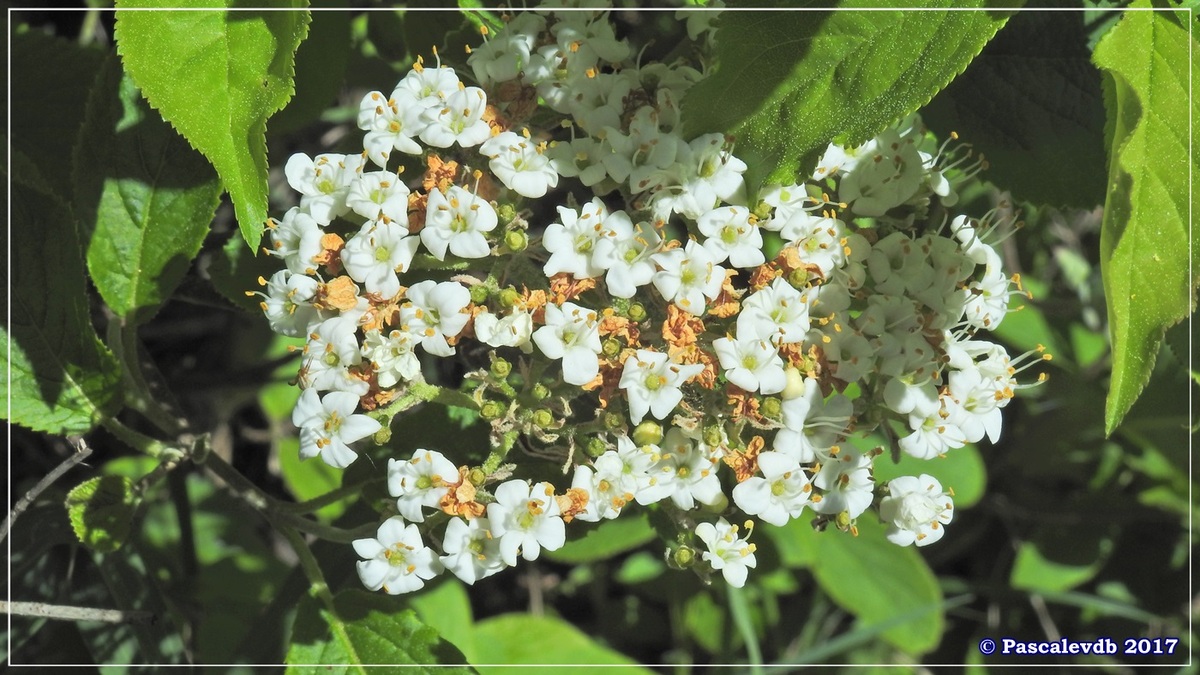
{"type": "Point", "coordinates": [664, 296]}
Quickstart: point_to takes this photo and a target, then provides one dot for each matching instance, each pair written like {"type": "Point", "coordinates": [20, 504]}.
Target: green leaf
{"type": "Point", "coordinates": [873, 579]}
{"type": "Point", "coordinates": [608, 539]}
{"type": "Point", "coordinates": [63, 380]}
{"type": "Point", "coordinates": [144, 194]}
{"type": "Point", "coordinates": [1144, 237]}
{"type": "Point", "coordinates": [217, 76]}
{"type": "Point", "coordinates": [523, 639]}
{"type": "Point", "coordinates": [308, 480]}
{"type": "Point", "coordinates": [367, 629]}
{"type": "Point", "coordinates": [235, 270]}
{"type": "Point", "coordinates": [101, 511]}
{"type": "Point", "coordinates": [1031, 98]}
{"type": "Point", "coordinates": [51, 78]}
{"type": "Point", "coordinates": [1059, 559]}
{"type": "Point", "coordinates": [789, 82]}
{"type": "Point", "coordinates": [446, 608]}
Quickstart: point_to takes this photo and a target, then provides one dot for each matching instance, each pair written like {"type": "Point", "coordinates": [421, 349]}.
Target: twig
{"type": "Point", "coordinates": [82, 452]}
{"type": "Point", "coordinates": [69, 613]}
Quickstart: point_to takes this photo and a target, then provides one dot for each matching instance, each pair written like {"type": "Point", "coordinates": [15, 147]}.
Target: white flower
{"type": "Point", "coordinates": [328, 426]}
{"type": "Point", "coordinates": [393, 356]}
{"type": "Point", "coordinates": [420, 482]}
{"type": "Point", "coordinates": [932, 434]}
{"type": "Point", "coordinates": [435, 312]}
{"type": "Point", "coordinates": [520, 164]}
{"type": "Point", "coordinates": [625, 250]}
{"type": "Point", "coordinates": [732, 236]}
{"type": "Point", "coordinates": [471, 551]}
{"type": "Point", "coordinates": [297, 239]}
{"type": "Point", "coordinates": [331, 349]}
{"type": "Point", "coordinates": [390, 124]}
{"type": "Point", "coordinates": [651, 383]}
{"type": "Point", "coordinates": [883, 178]}
{"type": "Point", "coordinates": [753, 365]}
{"type": "Point", "coordinates": [288, 303]}
{"type": "Point", "coordinates": [727, 552]}
{"type": "Point", "coordinates": [457, 220]}
{"type": "Point", "coordinates": [458, 120]}
{"type": "Point", "coordinates": [777, 313]}
{"type": "Point", "coordinates": [692, 468]}
{"type": "Point", "coordinates": [379, 193]}
{"type": "Point", "coordinates": [526, 520]}
{"type": "Point", "coordinates": [613, 480]}
{"type": "Point", "coordinates": [396, 560]}
{"type": "Point", "coordinates": [572, 334]}
{"type": "Point", "coordinates": [430, 86]}
{"type": "Point", "coordinates": [570, 242]}
{"type": "Point", "coordinates": [511, 330]}
{"type": "Point", "coordinates": [811, 425]}
{"type": "Point", "coordinates": [688, 276]}
{"type": "Point", "coordinates": [781, 493]}
{"type": "Point", "coordinates": [915, 510]}
{"type": "Point", "coordinates": [376, 253]}
{"type": "Point", "coordinates": [324, 183]}
{"type": "Point", "coordinates": [846, 480]}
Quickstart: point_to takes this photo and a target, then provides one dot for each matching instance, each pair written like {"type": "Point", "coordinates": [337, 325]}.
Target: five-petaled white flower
{"type": "Point", "coordinates": [651, 382]}
{"type": "Point", "coordinates": [396, 560]}
{"type": "Point", "coordinates": [571, 333]}
{"type": "Point", "coordinates": [420, 482]}
{"type": "Point", "coordinates": [526, 520]}
{"type": "Point", "coordinates": [915, 510]}
{"type": "Point", "coordinates": [727, 552]}
{"type": "Point", "coordinates": [472, 553]}
{"type": "Point", "coordinates": [328, 426]}
{"type": "Point", "coordinates": [457, 220]}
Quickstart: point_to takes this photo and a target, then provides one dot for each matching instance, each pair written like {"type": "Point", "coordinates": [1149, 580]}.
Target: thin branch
{"type": "Point", "coordinates": [69, 613]}
{"type": "Point", "coordinates": [82, 452]}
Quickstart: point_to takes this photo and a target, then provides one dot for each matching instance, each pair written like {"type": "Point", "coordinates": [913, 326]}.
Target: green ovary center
{"type": "Point", "coordinates": [729, 234]}
{"type": "Point", "coordinates": [382, 254]}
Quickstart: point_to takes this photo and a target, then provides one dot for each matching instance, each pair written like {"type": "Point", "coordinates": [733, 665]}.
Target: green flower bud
{"type": "Point", "coordinates": [543, 418]}
{"type": "Point", "coordinates": [682, 557]}
{"type": "Point", "coordinates": [614, 421]}
{"type": "Point", "coordinates": [610, 348]}
{"type": "Point", "coordinates": [648, 433]}
{"type": "Point", "coordinates": [509, 297]}
{"type": "Point", "coordinates": [762, 210]}
{"type": "Point", "coordinates": [382, 436]}
{"type": "Point", "coordinates": [500, 368]}
{"type": "Point", "coordinates": [476, 476]}
{"type": "Point", "coordinates": [798, 277]}
{"type": "Point", "coordinates": [637, 312]}
{"type": "Point", "coordinates": [479, 294]}
{"type": "Point", "coordinates": [540, 392]}
{"type": "Point", "coordinates": [712, 435]}
{"type": "Point", "coordinates": [843, 520]}
{"type": "Point", "coordinates": [505, 213]}
{"type": "Point", "coordinates": [492, 410]}
{"type": "Point", "coordinates": [596, 447]}
{"type": "Point", "coordinates": [516, 240]}
{"type": "Point", "coordinates": [771, 407]}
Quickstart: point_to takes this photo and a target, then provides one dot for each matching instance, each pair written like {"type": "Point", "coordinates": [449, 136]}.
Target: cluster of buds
{"type": "Point", "coordinates": [664, 339]}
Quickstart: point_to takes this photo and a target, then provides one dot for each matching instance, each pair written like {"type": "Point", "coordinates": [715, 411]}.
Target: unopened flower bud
{"type": "Point", "coordinates": [509, 297]}
{"type": "Point", "coordinates": [795, 385]}
{"type": "Point", "coordinates": [491, 410]}
{"type": "Point", "coordinates": [500, 368]}
{"type": "Point", "coordinates": [541, 392]}
{"type": "Point", "coordinates": [771, 407]}
{"type": "Point", "coordinates": [476, 476]}
{"type": "Point", "coordinates": [637, 312]}
{"type": "Point", "coordinates": [596, 447]}
{"type": "Point", "coordinates": [479, 294]}
{"type": "Point", "coordinates": [682, 557]}
{"type": "Point", "coordinates": [382, 436]}
{"type": "Point", "coordinates": [610, 348]}
{"type": "Point", "coordinates": [543, 418]}
{"type": "Point", "coordinates": [516, 240]}
{"type": "Point", "coordinates": [505, 213]}
{"type": "Point", "coordinates": [648, 433]}
{"type": "Point", "coordinates": [614, 421]}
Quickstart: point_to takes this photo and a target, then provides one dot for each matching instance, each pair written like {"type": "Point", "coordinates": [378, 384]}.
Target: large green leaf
{"type": "Point", "coordinates": [144, 194]}
{"type": "Point", "coordinates": [367, 630]}
{"type": "Point", "coordinates": [217, 76]}
{"type": "Point", "coordinates": [524, 639]}
{"type": "Point", "coordinates": [1030, 100]}
{"type": "Point", "coordinates": [870, 577]}
{"type": "Point", "coordinates": [1144, 244]}
{"type": "Point", "coordinates": [787, 83]}
{"type": "Point", "coordinates": [63, 379]}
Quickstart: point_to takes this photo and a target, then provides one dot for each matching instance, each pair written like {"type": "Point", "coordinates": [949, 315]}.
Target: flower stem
{"type": "Point", "coordinates": [138, 441]}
